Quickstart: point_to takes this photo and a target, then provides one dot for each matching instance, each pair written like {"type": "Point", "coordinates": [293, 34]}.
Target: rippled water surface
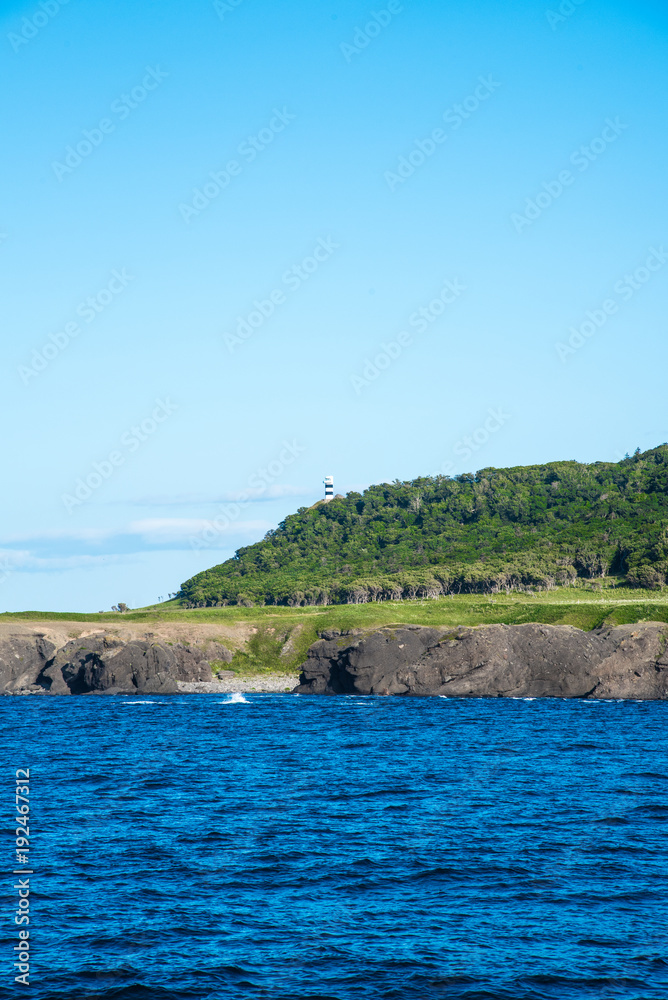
{"type": "Point", "coordinates": [277, 846]}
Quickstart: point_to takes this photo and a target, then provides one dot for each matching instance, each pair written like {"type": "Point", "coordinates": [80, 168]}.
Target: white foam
{"type": "Point", "coordinates": [235, 699]}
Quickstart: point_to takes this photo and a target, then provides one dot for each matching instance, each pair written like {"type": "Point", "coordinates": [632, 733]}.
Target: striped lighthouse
{"type": "Point", "coordinates": [329, 488]}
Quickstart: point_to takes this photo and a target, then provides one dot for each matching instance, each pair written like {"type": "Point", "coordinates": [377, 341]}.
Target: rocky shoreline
{"type": "Point", "coordinates": [485, 661]}
{"type": "Point", "coordinates": [50, 661]}
{"type": "Point", "coordinates": [234, 684]}
{"type": "Point", "coordinates": [492, 661]}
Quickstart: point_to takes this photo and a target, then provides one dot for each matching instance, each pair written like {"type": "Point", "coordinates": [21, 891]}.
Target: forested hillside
{"type": "Point", "coordinates": [500, 529]}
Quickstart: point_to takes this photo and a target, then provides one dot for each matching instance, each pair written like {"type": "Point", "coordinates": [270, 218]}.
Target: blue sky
{"type": "Point", "coordinates": [247, 245]}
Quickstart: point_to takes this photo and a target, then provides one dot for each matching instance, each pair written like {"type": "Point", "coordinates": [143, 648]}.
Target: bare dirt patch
{"type": "Point", "coordinates": [234, 636]}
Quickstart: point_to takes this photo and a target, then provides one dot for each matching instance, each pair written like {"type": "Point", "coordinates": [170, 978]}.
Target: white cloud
{"type": "Point", "coordinates": [163, 529]}
{"type": "Point", "coordinates": [151, 529]}
{"type": "Point", "coordinates": [53, 550]}
{"type": "Point", "coordinates": [55, 534]}
{"type": "Point", "coordinates": [275, 492]}
{"type": "Point", "coordinates": [12, 560]}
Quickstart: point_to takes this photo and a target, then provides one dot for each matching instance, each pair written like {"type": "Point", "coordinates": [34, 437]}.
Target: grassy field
{"type": "Point", "coordinates": [584, 606]}
{"type": "Point", "coordinates": [274, 627]}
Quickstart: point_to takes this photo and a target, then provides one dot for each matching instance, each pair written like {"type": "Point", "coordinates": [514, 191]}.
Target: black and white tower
{"type": "Point", "coordinates": [329, 488]}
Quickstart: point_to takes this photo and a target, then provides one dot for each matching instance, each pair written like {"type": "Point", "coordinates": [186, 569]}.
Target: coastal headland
{"type": "Point", "coordinates": [580, 633]}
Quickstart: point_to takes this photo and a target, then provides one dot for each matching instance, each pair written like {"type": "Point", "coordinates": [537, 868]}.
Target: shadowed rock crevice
{"type": "Point", "coordinates": [98, 663]}
{"type": "Point", "coordinates": [531, 661]}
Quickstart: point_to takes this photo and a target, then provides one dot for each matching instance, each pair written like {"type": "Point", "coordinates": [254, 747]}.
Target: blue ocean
{"type": "Point", "coordinates": [348, 848]}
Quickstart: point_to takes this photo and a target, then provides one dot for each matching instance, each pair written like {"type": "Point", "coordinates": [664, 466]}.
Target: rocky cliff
{"type": "Point", "coordinates": [492, 661]}
{"type": "Point", "coordinates": [48, 662]}
{"type": "Point", "coordinates": [626, 661]}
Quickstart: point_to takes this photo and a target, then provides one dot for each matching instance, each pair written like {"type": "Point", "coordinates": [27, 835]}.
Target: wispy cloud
{"type": "Point", "coordinates": [259, 495]}
{"type": "Point", "coordinates": [25, 561]}
{"type": "Point", "coordinates": [56, 534]}
{"type": "Point", "coordinates": [81, 548]}
{"type": "Point", "coordinates": [275, 492]}
{"type": "Point", "coordinates": [159, 529]}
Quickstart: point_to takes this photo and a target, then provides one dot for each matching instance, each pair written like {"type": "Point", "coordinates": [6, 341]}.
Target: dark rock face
{"type": "Point", "coordinates": [97, 663]}
{"type": "Point", "coordinates": [192, 664]}
{"type": "Point", "coordinates": [104, 663]}
{"type": "Point", "coordinates": [22, 659]}
{"type": "Point", "coordinates": [533, 661]}
{"type": "Point", "coordinates": [216, 651]}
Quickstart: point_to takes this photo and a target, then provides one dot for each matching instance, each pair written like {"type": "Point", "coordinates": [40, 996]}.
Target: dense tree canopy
{"type": "Point", "coordinates": [500, 529]}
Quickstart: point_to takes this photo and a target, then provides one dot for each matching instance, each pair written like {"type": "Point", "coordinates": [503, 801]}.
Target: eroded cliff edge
{"type": "Point", "coordinates": [48, 661]}
{"type": "Point", "coordinates": [492, 661]}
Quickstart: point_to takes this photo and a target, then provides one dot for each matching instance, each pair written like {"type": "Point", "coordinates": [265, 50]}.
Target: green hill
{"type": "Point", "coordinates": [533, 527]}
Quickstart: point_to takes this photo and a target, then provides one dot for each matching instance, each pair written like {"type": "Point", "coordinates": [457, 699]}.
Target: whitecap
{"type": "Point", "coordinates": [235, 699]}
